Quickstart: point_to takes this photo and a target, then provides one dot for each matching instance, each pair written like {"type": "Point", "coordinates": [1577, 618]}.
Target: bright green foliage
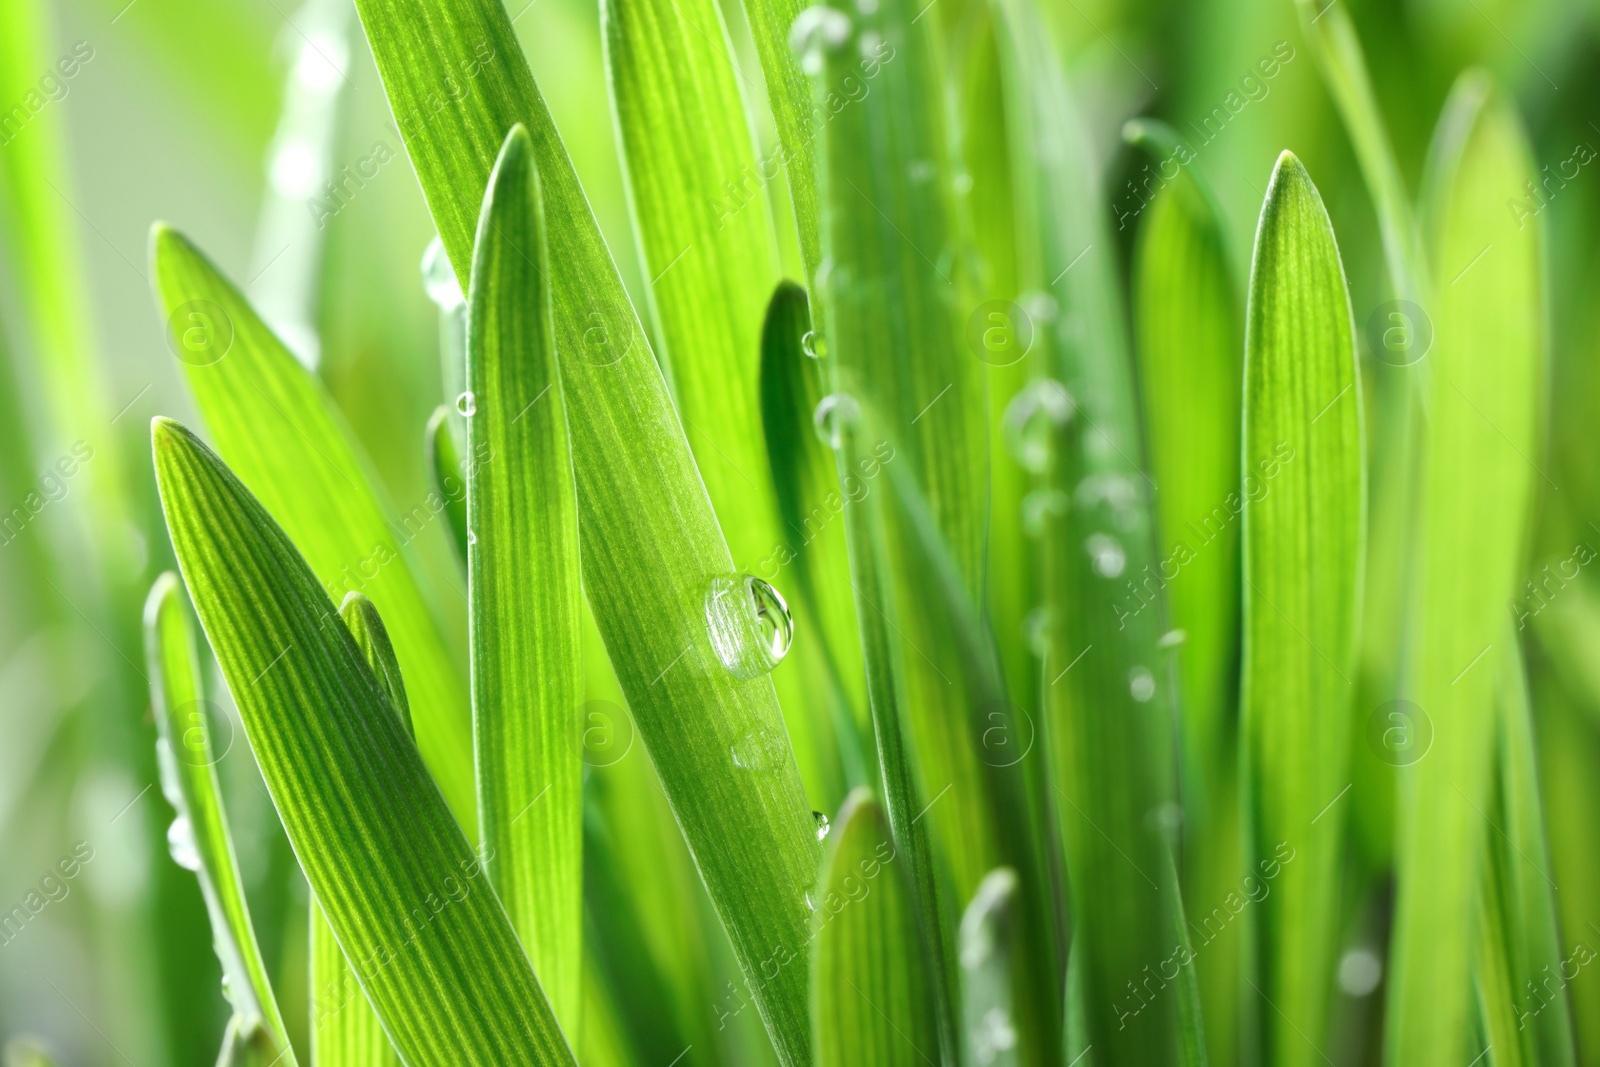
{"type": "Point", "coordinates": [527, 670]}
{"type": "Point", "coordinates": [200, 833]}
{"type": "Point", "coordinates": [388, 863]}
{"type": "Point", "coordinates": [1304, 488]}
{"type": "Point", "coordinates": [274, 422]}
{"type": "Point", "coordinates": [651, 546]}
{"type": "Point", "coordinates": [870, 1002]}
{"type": "Point", "coordinates": [1479, 476]}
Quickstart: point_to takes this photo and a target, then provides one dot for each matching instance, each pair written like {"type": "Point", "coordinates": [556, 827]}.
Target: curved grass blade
{"type": "Point", "coordinates": [276, 424]}
{"type": "Point", "coordinates": [1479, 479]}
{"type": "Point", "coordinates": [345, 1030]}
{"type": "Point", "coordinates": [200, 834]}
{"type": "Point", "coordinates": [449, 477]}
{"type": "Point", "coordinates": [988, 949]}
{"type": "Point", "coordinates": [429, 941]}
{"type": "Point", "coordinates": [1189, 336]}
{"type": "Point", "coordinates": [1107, 713]}
{"type": "Point", "coordinates": [1303, 556]}
{"type": "Point", "coordinates": [651, 546]}
{"type": "Point", "coordinates": [524, 606]}
{"type": "Point", "coordinates": [870, 999]}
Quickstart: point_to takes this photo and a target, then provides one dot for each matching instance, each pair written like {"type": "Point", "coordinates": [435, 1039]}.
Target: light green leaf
{"type": "Point", "coordinates": [522, 584]}
{"type": "Point", "coordinates": [402, 889]}
{"type": "Point", "coordinates": [1487, 369]}
{"type": "Point", "coordinates": [1304, 482]}
{"type": "Point", "coordinates": [988, 952]}
{"type": "Point", "coordinates": [1189, 337]}
{"type": "Point", "coordinates": [870, 999]}
{"type": "Point", "coordinates": [651, 546]}
{"type": "Point", "coordinates": [449, 477]}
{"type": "Point", "coordinates": [275, 423]}
{"type": "Point", "coordinates": [200, 833]}
{"type": "Point", "coordinates": [789, 95]}
{"type": "Point", "coordinates": [345, 1031]}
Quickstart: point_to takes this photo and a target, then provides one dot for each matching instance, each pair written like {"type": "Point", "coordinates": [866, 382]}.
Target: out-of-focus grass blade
{"type": "Point", "coordinates": [1303, 556]}
{"type": "Point", "coordinates": [522, 584]}
{"type": "Point", "coordinates": [988, 949]}
{"type": "Point", "coordinates": [345, 1031]}
{"type": "Point", "coordinates": [1518, 946]}
{"type": "Point", "coordinates": [1189, 336]}
{"type": "Point", "coordinates": [790, 97]}
{"type": "Point", "coordinates": [399, 882]}
{"type": "Point", "coordinates": [1479, 478]}
{"type": "Point", "coordinates": [870, 1000]}
{"type": "Point", "coordinates": [449, 477]}
{"type": "Point", "coordinates": [652, 551]}
{"type": "Point", "coordinates": [199, 836]}
{"type": "Point", "coordinates": [274, 422]}
{"type": "Point", "coordinates": [1107, 684]}
{"type": "Point", "coordinates": [810, 502]}
{"type": "Point", "coordinates": [707, 243]}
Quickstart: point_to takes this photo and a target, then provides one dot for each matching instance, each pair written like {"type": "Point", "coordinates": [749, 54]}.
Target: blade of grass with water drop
{"type": "Point", "coordinates": [399, 882]}
{"type": "Point", "coordinates": [988, 952]}
{"type": "Point", "coordinates": [524, 607]}
{"type": "Point", "coordinates": [869, 991]}
{"type": "Point", "coordinates": [1189, 336]}
{"type": "Point", "coordinates": [1304, 528]}
{"type": "Point", "coordinates": [651, 545]}
{"type": "Point", "coordinates": [707, 243]}
{"type": "Point", "coordinates": [345, 1031]}
{"type": "Point", "coordinates": [275, 423]}
{"type": "Point", "coordinates": [1479, 479]}
{"type": "Point", "coordinates": [1107, 711]}
{"type": "Point", "coordinates": [189, 780]}
{"type": "Point", "coordinates": [790, 98]}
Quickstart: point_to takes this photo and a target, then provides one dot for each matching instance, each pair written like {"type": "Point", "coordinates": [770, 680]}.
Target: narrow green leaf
{"type": "Point", "coordinates": [1189, 335]}
{"type": "Point", "coordinates": [789, 95]}
{"type": "Point", "coordinates": [1479, 477]}
{"type": "Point", "coordinates": [1304, 483]}
{"type": "Point", "coordinates": [345, 1031]}
{"type": "Point", "coordinates": [651, 547]}
{"type": "Point", "coordinates": [524, 606]}
{"type": "Point", "coordinates": [275, 423]}
{"type": "Point", "coordinates": [870, 999]}
{"type": "Point", "coordinates": [200, 837]}
{"type": "Point", "coordinates": [430, 943]}
{"type": "Point", "coordinates": [988, 952]}
{"type": "Point", "coordinates": [449, 477]}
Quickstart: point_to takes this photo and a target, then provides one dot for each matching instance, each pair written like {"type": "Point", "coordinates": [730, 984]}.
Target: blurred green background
{"type": "Point", "coordinates": [225, 117]}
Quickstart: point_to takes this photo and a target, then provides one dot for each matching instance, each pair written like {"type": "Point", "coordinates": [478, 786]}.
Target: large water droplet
{"type": "Point", "coordinates": [1106, 555]}
{"type": "Point", "coordinates": [439, 278]}
{"type": "Point", "coordinates": [816, 32]}
{"type": "Point", "coordinates": [822, 825]}
{"type": "Point", "coordinates": [813, 345]}
{"type": "Point", "coordinates": [1141, 684]}
{"type": "Point", "coordinates": [749, 623]}
{"type": "Point", "coordinates": [180, 842]}
{"type": "Point", "coordinates": [467, 403]}
{"type": "Point", "coordinates": [836, 413]}
{"type": "Point", "coordinates": [1040, 508]}
{"type": "Point", "coordinates": [1032, 421]}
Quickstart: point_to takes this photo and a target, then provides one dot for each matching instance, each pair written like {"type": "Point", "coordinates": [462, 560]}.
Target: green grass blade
{"type": "Point", "coordinates": [806, 483]}
{"type": "Point", "coordinates": [651, 546]}
{"type": "Point", "coordinates": [1479, 481]}
{"type": "Point", "coordinates": [1304, 524]}
{"type": "Point", "coordinates": [988, 949]}
{"type": "Point", "coordinates": [345, 1031]}
{"type": "Point", "coordinates": [1189, 337]}
{"type": "Point", "coordinates": [431, 943]}
{"type": "Point", "coordinates": [789, 96]}
{"type": "Point", "coordinates": [200, 835]}
{"type": "Point", "coordinates": [870, 1000]}
{"type": "Point", "coordinates": [274, 422]}
{"type": "Point", "coordinates": [449, 477]}
{"type": "Point", "coordinates": [524, 605]}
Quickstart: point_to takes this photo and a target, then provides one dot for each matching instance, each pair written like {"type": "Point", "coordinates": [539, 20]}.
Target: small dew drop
{"type": "Point", "coordinates": [1039, 306]}
{"type": "Point", "coordinates": [749, 624]}
{"type": "Point", "coordinates": [439, 278]}
{"type": "Point", "coordinates": [816, 32]}
{"type": "Point", "coordinates": [1141, 684]}
{"type": "Point", "coordinates": [810, 904]}
{"type": "Point", "coordinates": [1032, 420]}
{"type": "Point", "coordinates": [467, 404]}
{"type": "Point", "coordinates": [1036, 631]}
{"type": "Point", "coordinates": [1172, 639]}
{"type": "Point", "coordinates": [180, 842]}
{"type": "Point", "coordinates": [993, 1035]}
{"type": "Point", "coordinates": [813, 345]}
{"type": "Point", "coordinates": [1360, 970]}
{"type": "Point", "coordinates": [472, 537]}
{"type": "Point", "coordinates": [963, 183]}
{"type": "Point", "coordinates": [867, 7]}
{"type": "Point", "coordinates": [1040, 508]}
{"type": "Point", "coordinates": [835, 413]}
{"type": "Point", "coordinates": [870, 43]}
{"type": "Point", "coordinates": [822, 825]}
{"type": "Point", "coordinates": [1106, 555]}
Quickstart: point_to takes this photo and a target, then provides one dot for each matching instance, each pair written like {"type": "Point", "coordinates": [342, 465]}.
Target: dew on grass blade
{"type": "Point", "coordinates": [813, 344]}
{"type": "Point", "coordinates": [467, 403]}
{"type": "Point", "coordinates": [816, 32]}
{"type": "Point", "coordinates": [1141, 684]}
{"type": "Point", "coordinates": [1040, 508]}
{"type": "Point", "coordinates": [180, 842]}
{"type": "Point", "coordinates": [749, 624]}
{"type": "Point", "coordinates": [822, 825]}
{"type": "Point", "coordinates": [1032, 420]}
{"type": "Point", "coordinates": [439, 278]}
{"type": "Point", "coordinates": [835, 412]}
{"type": "Point", "coordinates": [1106, 555]}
